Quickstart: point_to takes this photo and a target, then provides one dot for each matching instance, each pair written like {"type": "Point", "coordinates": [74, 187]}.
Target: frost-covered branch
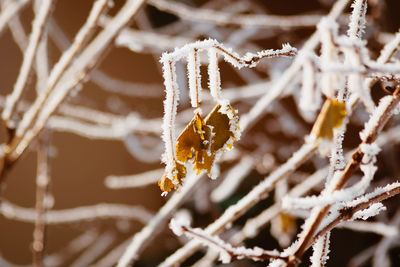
{"type": "Point", "coordinates": [75, 74]}
{"type": "Point", "coordinates": [64, 62]}
{"type": "Point", "coordinates": [10, 10]}
{"type": "Point", "coordinates": [363, 207]}
{"type": "Point", "coordinates": [226, 250]}
{"type": "Point", "coordinates": [42, 183]}
{"type": "Point", "coordinates": [220, 18]}
{"type": "Point", "coordinates": [36, 34]}
{"type": "Point", "coordinates": [82, 213]}
{"type": "Point", "coordinates": [257, 193]}
{"type": "Point", "coordinates": [379, 118]}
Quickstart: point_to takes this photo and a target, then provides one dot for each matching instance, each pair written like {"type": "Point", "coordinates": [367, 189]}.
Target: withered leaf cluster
{"type": "Point", "coordinates": [201, 141]}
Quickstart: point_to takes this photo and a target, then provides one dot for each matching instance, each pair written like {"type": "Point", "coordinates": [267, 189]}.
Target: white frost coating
{"type": "Point", "coordinates": [233, 120]}
{"type": "Point", "coordinates": [132, 181]}
{"type": "Point", "coordinates": [182, 52]}
{"type": "Point", "coordinates": [194, 77]}
{"type": "Point", "coordinates": [170, 107]}
{"type": "Point", "coordinates": [321, 251]}
{"type": "Point", "coordinates": [357, 19]}
{"type": "Point", "coordinates": [310, 99]}
{"type": "Point", "coordinates": [356, 81]}
{"type": "Point", "coordinates": [277, 263]}
{"type": "Point", "coordinates": [176, 226]}
{"type": "Point", "coordinates": [332, 215]}
{"type": "Point", "coordinates": [389, 48]}
{"type": "Point", "coordinates": [213, 74]}
{"type": "Point", "coordinates": [327, 30]}
{"type": "Point", "coordinates": [336, 161]}
{"type": "Point", "coordinates": [371, 211]}
{"type": "Point", "coordinates": [337, 196]}
{"type": "Point", "coordinates": [373, 121]}
{"type": "Point", "coordinates": [376, 192]}
{"type": "Point", "coordinates": [370, 151]}
{"type": "Point", "coordinates": [379, 228]}
{"type": "Point", "coordinates": [252, 58]}
{"type": "Point", "coordinates": [226, 250]}
{"type": "Point", "coordinates": [29, 55]}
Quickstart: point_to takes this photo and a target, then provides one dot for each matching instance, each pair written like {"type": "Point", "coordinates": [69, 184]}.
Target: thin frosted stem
{"type": "Point", "coordinates": [221, 18]}
{"type": "Point", "coordinates": [357, 19]}
{"type": "Point", "coordinates": [226, 250]}
{"type": "Point", "coordinates": [29, 55]}
{"type": "Point", "coordinates": [142, 238]}
{"type": "Point", "coordinates": [214, 74]}
{"type": "Point", "coordinates": [10, 10]}
{"type": "Point", "coordinates": [193, 69]}
{"type": "Point", "coordinates": [77, 72]}
{"type": "Point", "coordinates": [170, 108]}
{"type": "Point", "coordinates": [133, 181]}
{"type": "Point", "coordinates": [42, 58]}
{"type": "Point", "coordinates": [347, 213]}
{"type": "Point", "coordinates": [64, 62]}
{"type": "Point", "coordinates": [42, 182]}
{"type": "Point", "coordinates": [99, 211]}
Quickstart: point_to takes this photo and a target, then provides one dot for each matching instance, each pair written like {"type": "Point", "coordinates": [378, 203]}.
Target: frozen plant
{"type": "Point", "coordinates": [207, 138]}
{"type": "Point", "coordinates": [95, 93]}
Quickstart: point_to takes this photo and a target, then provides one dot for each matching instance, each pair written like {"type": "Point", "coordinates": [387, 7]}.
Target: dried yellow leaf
{"type": "Point", "coordinates": [179, 172]}
{"type": "Point", "coordinates": [191, 139]}
{"type": "Point", "coordinates": [331, 117]}
{"type": "Point", "coordinates": [218, 132]}
{"type": "Point", "coordinates": [165, 183]}
{"type": "Point", "coordinates": [202, 140]}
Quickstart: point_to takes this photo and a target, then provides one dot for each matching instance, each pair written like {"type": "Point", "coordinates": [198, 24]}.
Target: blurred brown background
{"type": "Point", "coordinates": [79, 165]}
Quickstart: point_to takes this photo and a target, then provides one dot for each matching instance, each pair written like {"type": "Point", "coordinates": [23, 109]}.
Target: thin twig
{"type": "Point", "coordinates": [221, 18]}
{"type": "Point", "coordinates": [76, 73]}
{"type": "Point", "coordinates": [347, 213]}
{"type": "Point", "coordinates": [227, 250]}
{"type": "Point", "coordinates": [137, 244]}
{"type": "Point", "coordinates": [42, 182]}
{"type": "Point", "coordinates": [29, 55]}
{"type": "Point", "coordinates": [10, 10]}
{"type": "Point", "coordinates": [56, 73]}
{"type": "Point", "coordinates": [82, 213]}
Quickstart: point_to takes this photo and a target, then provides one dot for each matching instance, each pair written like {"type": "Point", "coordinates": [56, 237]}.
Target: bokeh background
{"type": "Point", "coordinates": [79, 165]}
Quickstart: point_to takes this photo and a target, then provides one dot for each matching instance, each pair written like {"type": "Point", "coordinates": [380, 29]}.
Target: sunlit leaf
{"type": "Point", "coordinates": [331, 116]}
{"type": "Point", "coordinates": [166, 184]}
{"type": "Point", "coordinates": [203, 141]}
{"type": "Point", "coordinates": [221, 125]}
{"type": "Point", "coordinates": [188, 142]}
{"type": "Point", "coordinates": [191, 139]}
